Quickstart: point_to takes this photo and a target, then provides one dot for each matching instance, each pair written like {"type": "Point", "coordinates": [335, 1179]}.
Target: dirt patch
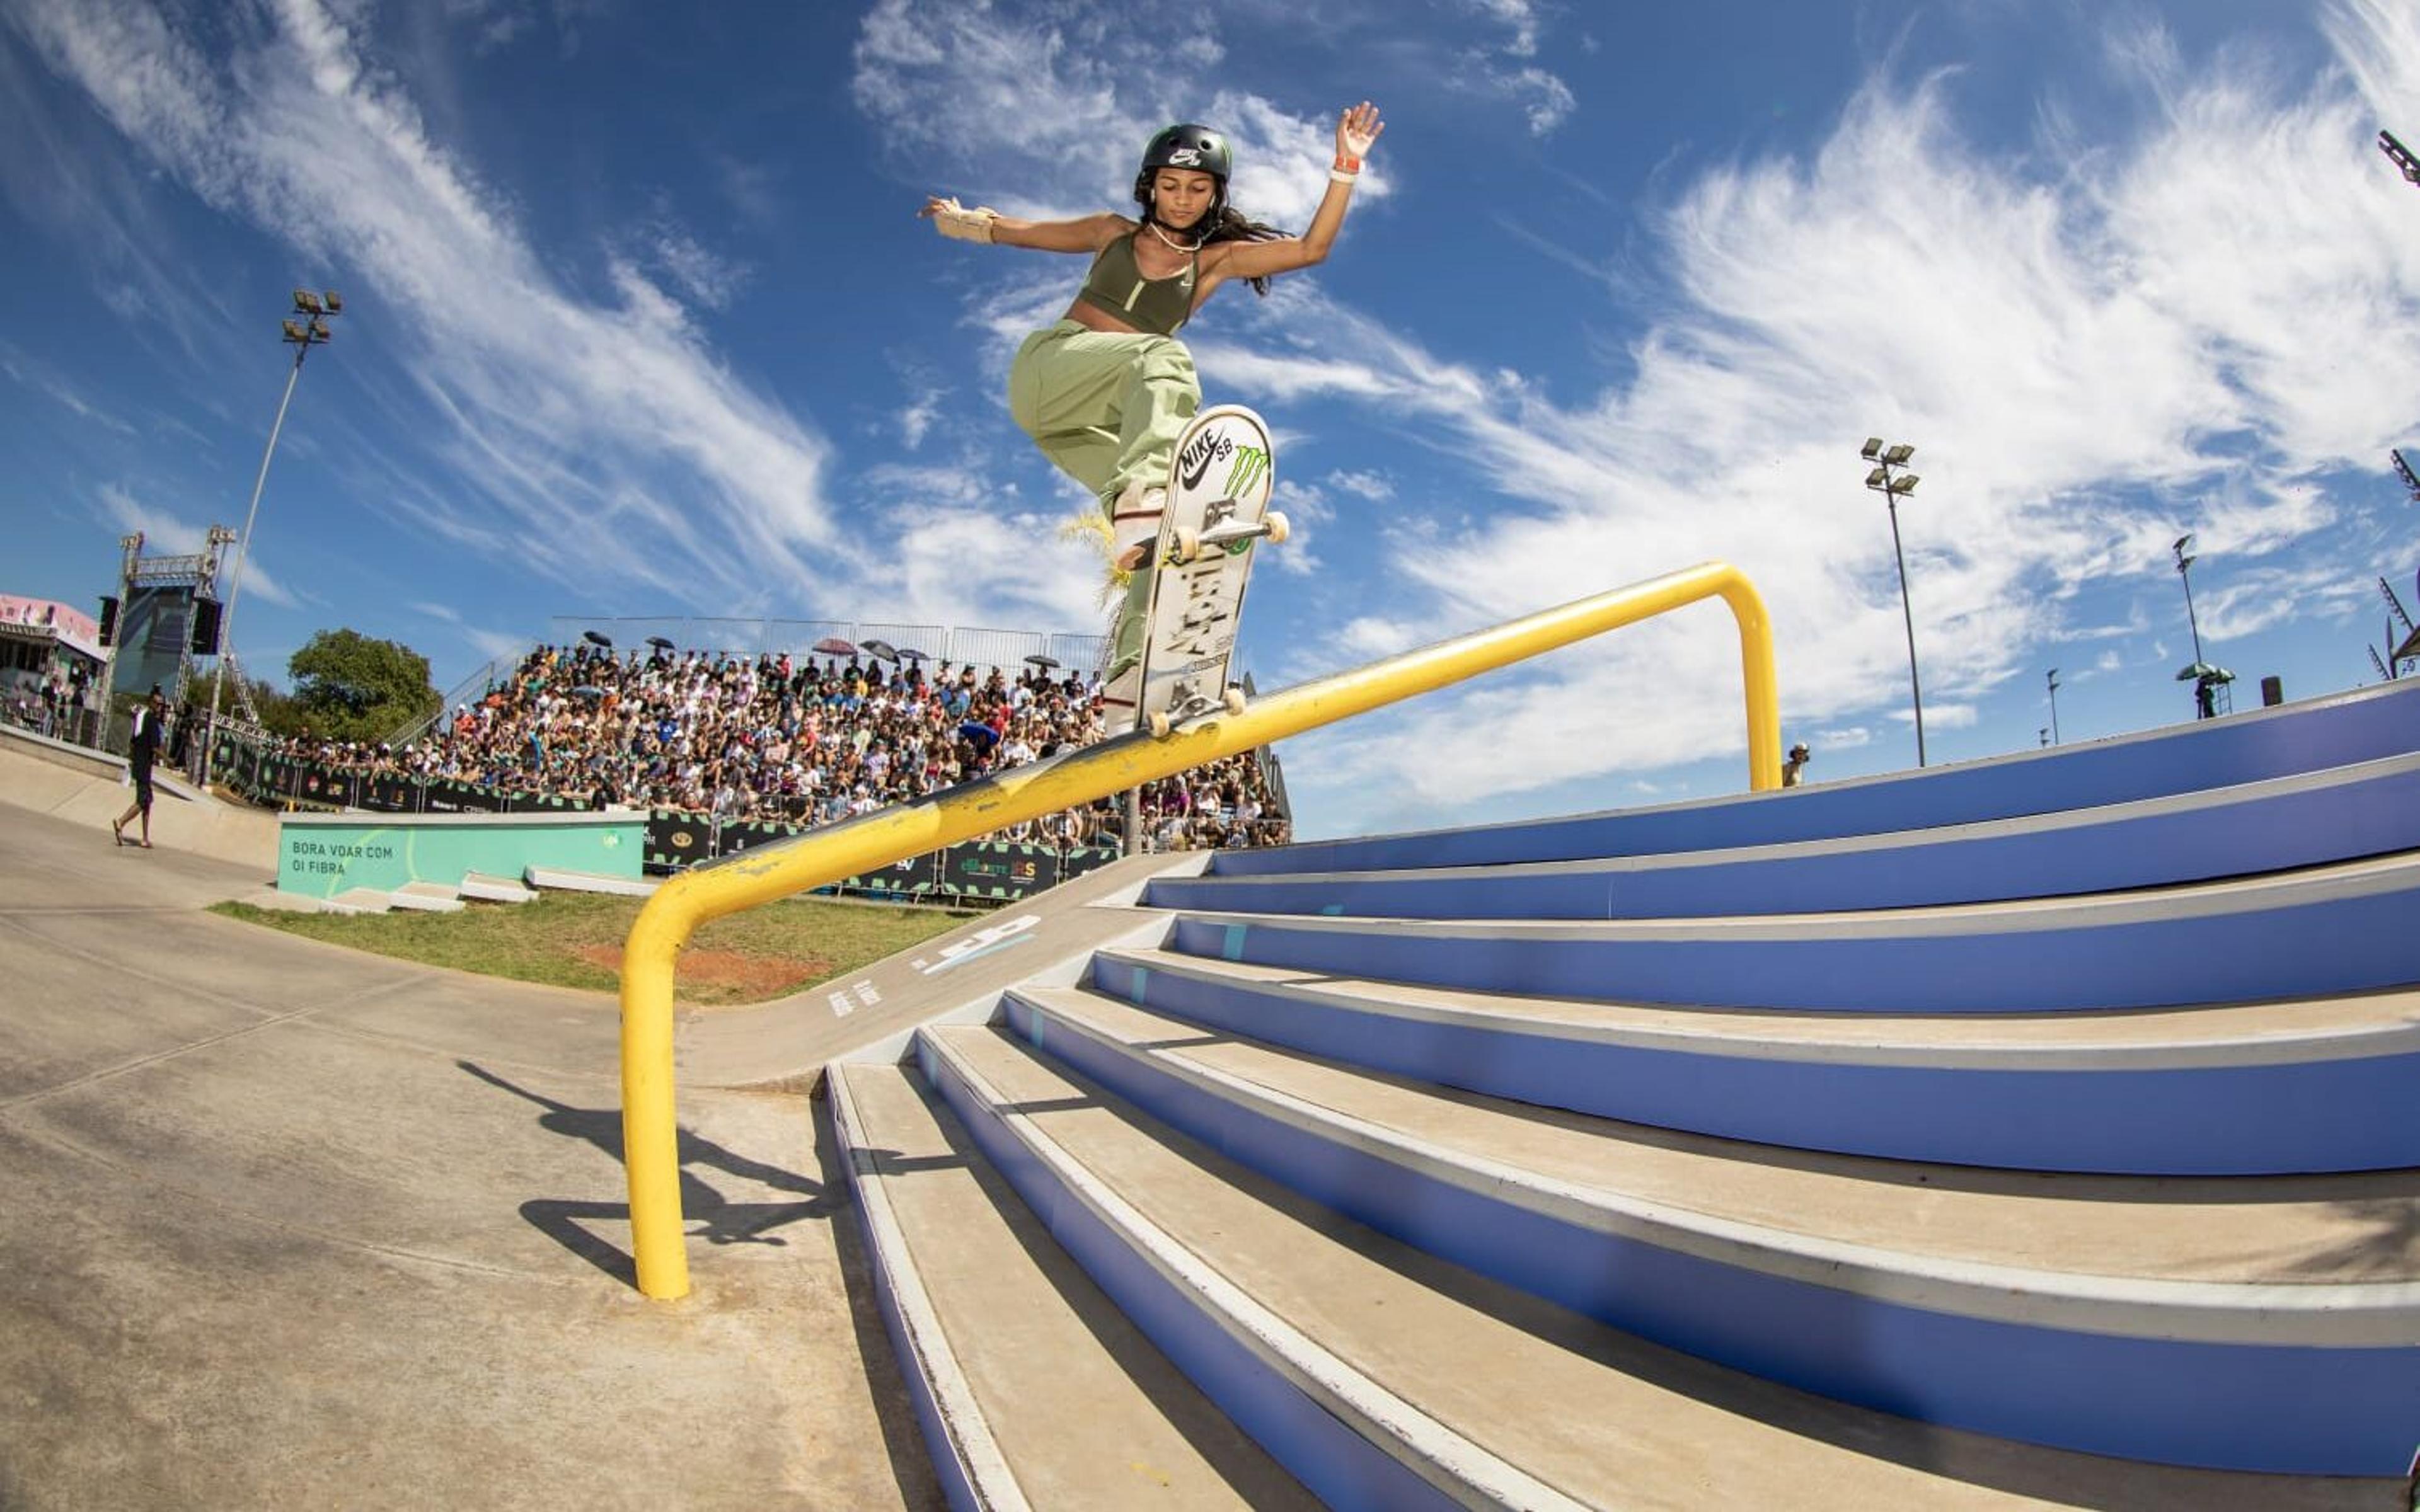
{"type": "Point", "coordinates": [715, 977]}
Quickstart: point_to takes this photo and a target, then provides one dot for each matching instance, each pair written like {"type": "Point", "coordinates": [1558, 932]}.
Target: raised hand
{"type": "Point", "coordinates": [1357, 130]}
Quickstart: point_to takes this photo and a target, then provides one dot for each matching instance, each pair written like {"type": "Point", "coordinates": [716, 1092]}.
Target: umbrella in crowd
{"type": "Point", "coordinates": [832, 645]}
{"type": "Point", "coordinates": [661, 642]}
{"type": "Point", "coordinates": [1045, 663]}
{"type": "Point", "coordinates": [911, 654]}
{"type": "Point", "coordinates": [879, 650]}
{"type": "Point", "coordinates": [983, 735]}
{"type": "Point", "coordinates": [598, 638]}
{"type": "Point", "coordinates": [589, 691]}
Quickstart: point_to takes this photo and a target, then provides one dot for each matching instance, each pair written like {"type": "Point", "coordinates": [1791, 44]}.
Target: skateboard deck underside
{"type": "Point", "coordinates": [1223, 474]}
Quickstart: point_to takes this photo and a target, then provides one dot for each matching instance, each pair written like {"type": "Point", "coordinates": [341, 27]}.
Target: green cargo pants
{"type": "Point", "coordinates": [1106, 408]}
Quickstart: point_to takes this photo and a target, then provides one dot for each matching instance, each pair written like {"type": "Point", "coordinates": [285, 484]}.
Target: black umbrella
{"type": "Point", "coordinates": [589, 691]}
{"type": "Point", "coordinates": [661, 642]}
{"type": "Point", "coordinates": [911, 654]}
{"type": "Point", "coordinates": [598, 638]}
{"type": "Point", "coordinates": [879, 650]}
{"type": "Point", "coordinates": [1050, 663]}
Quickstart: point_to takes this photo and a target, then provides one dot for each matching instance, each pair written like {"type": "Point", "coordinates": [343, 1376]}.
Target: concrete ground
{"type": "Point", "coordinates": [291, 1226]}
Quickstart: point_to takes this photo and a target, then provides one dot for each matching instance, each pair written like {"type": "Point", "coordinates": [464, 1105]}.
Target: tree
{"type": "Point", "coordinates": [348, 687]}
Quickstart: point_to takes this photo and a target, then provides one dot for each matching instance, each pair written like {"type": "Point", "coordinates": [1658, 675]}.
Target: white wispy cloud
{"type": "Point", "coordinates": [566, 412]}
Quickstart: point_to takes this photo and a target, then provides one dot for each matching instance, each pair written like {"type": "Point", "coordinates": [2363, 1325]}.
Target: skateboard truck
{"type": "Point", "coordinates": [1188, 701]}
{"type": "Point", "coordinates": [1221, 533]}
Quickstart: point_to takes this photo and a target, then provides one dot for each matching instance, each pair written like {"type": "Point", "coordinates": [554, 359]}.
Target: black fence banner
{"type": "Point", "coordinates": [738, 834]}
{"type": "Point", "coordinates": [389, 794]}
{"type": "Point", "coordinates": [1080, 859]}
{"type": "Point", "coordinates": [990, 869]}
{"type": "Point", "coordinates": [913, 877]}
{"type": "Point", "coordinates": [675, 841]}
{"type": "Point", "coordinates": [447, 795]}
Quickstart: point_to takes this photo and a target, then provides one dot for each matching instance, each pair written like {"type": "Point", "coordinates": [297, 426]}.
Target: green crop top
{"type": "Point", "coordinates": [1116, 286]}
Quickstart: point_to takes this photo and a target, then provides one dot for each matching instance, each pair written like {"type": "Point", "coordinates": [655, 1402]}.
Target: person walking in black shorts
{"type": "Point", "coordinates": [141, 747]}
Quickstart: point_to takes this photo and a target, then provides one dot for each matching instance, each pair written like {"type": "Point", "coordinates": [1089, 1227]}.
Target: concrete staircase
{"type": "Point", "coordinates": [2035, 1132]}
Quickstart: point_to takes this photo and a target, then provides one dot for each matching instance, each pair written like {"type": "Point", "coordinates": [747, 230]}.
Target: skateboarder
{"type": "Point", "coordinates": [1107, 391]}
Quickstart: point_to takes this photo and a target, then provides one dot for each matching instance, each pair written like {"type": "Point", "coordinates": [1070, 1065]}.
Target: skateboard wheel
{"type": "Point", "coordinates": [1160, 724]}
{"type": "Point", "coordinates": [1189, 544]}
{"type": "Point", "coordinates": [1277, 526]}
{"type": "Point", "coordinates": [1233, 700]}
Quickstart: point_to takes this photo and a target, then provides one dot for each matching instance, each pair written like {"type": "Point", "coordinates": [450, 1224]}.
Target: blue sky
{"type": "Point", "coordinates": [640, 320]}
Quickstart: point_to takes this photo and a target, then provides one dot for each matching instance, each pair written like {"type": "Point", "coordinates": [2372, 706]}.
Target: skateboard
{"type": "Point", "coordinates": [1217, 511]}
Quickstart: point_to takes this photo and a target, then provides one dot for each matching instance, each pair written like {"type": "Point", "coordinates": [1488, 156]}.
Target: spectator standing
{"type": "Point", "coordinates": [143, 745]}
{"type": "Point", "coordinates": [1791, 770]}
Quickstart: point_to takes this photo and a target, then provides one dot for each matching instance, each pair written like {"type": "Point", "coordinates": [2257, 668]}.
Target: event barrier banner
{"type": "Point", "coordinates": [989, 869]}
{"type": "Point", "coordinates": [986, 871]}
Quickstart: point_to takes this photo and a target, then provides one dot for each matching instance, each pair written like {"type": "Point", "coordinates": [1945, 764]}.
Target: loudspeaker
{"type": "Point", "coordinates": [206, 628]}
{"type": "Point", "coordinates": [108, 621]}
{"type": "Point", "coordinates": [2272, 691]}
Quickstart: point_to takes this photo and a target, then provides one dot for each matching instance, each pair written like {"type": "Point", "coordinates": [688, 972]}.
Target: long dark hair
{"type": "Point", "coordinates": [1225, 223]}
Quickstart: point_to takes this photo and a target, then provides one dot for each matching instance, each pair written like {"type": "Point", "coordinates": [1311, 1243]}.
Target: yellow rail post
{"type": "Point", "coordinates": [650, 1134]}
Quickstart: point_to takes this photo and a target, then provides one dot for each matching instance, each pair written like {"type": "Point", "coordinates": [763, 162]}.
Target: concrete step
{"type": "Point", "coordinates": [358, 901]}
{"type": "Point", "coordinates": [562, 879]}
{"type": "Point", "coordinates": [427, 896]}
{"type": "Point", "coordinates": [2288, 1085]}
{"type": "Point", "coordinates": [2365, 725]}
{"type": "Point", "coordinates": [2335, 929]}
{"type": "Point", "coordinates": [2310, 819]}
{"type": "Point", "coordinates": [1385, 1376]}
{"type": "Point", "coordinates": [2243, 1324]}
{"type": "Point", "coordinates": [495, 889]}
{"type": "Point", "coordinates": [1031, 1388]}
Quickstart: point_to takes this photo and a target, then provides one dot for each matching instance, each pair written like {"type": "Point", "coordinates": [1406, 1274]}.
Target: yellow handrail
{"type": "Point", "coordinates": [650, 1137]}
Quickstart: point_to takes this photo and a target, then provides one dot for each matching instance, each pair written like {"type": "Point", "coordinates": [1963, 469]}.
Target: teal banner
{"type": "Point", "coordinates": [321, 855]}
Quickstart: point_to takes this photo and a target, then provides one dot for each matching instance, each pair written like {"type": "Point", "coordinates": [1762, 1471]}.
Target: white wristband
{"type": "Point", "coordinates": [1338, 176]}
{"type": "Point", "coordinates": [960, 223]}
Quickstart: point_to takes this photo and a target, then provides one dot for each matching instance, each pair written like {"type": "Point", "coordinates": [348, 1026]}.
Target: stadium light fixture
{"type": "Point", "coordinates": [2403, 471]}
{"type": "Point", "coordinates": [1884, 481]}
{"type": "Point", "coordinates": [2400, 156]}
{"type": "Point", "coordinates": [2053, 680]}
{"type": "Point", "coordinates": [302, 337]}
{"type": "Point", "coordinates": [2200, 670]}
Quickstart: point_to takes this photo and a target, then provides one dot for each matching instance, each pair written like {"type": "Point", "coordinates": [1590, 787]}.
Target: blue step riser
{"type": "Point", "coordinates": [1338, 1466]}
{"type": "Point", "coordinates": [2219, 753]}
{"type": "Point", "coordinates": [2347, 945]}
{"type": "Point", "coordinates": [2238, 1407]}
{"type": "Point", "coordinates": [2274, 834]}
{"type": "Point", "coordinates": [2257, 1120]}
{"type": "Point", "coordinates": [956, 1486]}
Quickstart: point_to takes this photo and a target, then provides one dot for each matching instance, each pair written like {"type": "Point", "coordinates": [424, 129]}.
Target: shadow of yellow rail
{"type": "Point", "coordinates": [649, 1134]}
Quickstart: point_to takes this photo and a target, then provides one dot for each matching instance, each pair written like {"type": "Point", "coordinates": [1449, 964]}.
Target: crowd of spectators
{"type": "Point", "coordinates": [805, 741]}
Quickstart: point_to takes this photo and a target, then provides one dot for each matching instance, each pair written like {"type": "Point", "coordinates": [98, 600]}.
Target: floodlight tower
{"type": "Point", "coordinates": [2184, 570]}
{"type": "Point", "coordinates": [2403, 471]}
{"type": "Point", "coordinates": [2400, 156]}
{"type": "Point", "coordinates": [1894, 487]}
{"type": "Point", "coordinates": [302, 334]}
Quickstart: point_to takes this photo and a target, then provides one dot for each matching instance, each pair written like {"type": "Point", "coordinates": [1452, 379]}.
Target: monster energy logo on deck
{"type": "Point", "coordinates": [1249, 469]}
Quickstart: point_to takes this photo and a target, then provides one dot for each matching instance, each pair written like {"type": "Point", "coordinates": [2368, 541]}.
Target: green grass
{"type": "Point", "coordinates": [575, 940]}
